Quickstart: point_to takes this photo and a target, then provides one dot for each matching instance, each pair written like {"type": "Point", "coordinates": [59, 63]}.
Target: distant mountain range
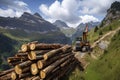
{"type": "Point", "coordinates": [60, 24]}
{"type": "Point", "coordinates": [81, 27]}
{"type": "Point", "coordinates": [28, 22]}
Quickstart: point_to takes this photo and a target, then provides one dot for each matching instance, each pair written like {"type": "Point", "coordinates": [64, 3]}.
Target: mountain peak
{"type": "Point", "coordinates": [38, 15]}
{"type": "Point", "coordinates": [60, 24]}
{"type": "Point", "coordinates": [115, 5]}
{"type": "Point", "coordinates": [26, 14]}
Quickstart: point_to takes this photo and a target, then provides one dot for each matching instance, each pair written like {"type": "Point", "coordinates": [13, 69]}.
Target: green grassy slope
{"type": "Point", "coordinates": [107, 67]}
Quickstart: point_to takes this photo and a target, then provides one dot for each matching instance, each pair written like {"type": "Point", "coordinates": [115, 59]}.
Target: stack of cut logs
{"type": "Point", "coordinates": [40, 61]}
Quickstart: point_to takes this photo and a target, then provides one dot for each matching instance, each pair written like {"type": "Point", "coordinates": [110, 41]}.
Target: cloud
{"type": "Point", "coordinates": [7, 12]}
{"type": "Point", "coordinates": [99, 7]}
{"type": "Point", "coordinates": [65, 10]}
{"type": "Point", "coordinates": [88, 18]}
{"type": "Point", "coordinates": [74, 12]}
{"type": "Point", "coordinates": [13, 8]}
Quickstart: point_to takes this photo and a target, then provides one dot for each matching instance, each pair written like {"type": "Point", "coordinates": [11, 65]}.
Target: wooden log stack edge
{"type": "Point", "coordinates": [37, 61]}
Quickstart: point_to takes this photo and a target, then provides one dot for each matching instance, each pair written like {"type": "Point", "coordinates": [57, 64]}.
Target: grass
{"type": "Point", "coordinates": [107, 66]}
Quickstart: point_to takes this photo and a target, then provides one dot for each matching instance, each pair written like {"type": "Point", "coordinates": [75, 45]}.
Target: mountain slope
{"type": "Point", "coordinates": [81, 28]}
{"type": "Point", "coordinates": [107, 64]}
{"type": "Point", "coordinates": [60, 24]}
{"type": "Point", "coordinates": [28, 22]}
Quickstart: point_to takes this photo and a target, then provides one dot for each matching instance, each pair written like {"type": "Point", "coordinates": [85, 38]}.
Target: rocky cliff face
{"type": "Point", "coordinates": [113, 13]}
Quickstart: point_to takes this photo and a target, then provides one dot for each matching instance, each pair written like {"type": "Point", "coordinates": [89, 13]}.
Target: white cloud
{"type": "Point", "coordinates": [14, 8]}
{"type": "Point", "coordinates": [88, 18]}
{"type": "Point", "coordinates": [95, 6]}
{"type": "Point", "coordinates": [65, 10]}
{"type": "Point", "coordinates": [7, 12]}
{"type": "Point", "coordinates": [74, 12]}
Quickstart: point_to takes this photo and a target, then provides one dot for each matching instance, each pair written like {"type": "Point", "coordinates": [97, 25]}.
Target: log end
{"type": "Point", "coordinates": [13, 76]}
{"type": "Point", "coordinates": [32, 46]}
{"type": "Point", "coordinates": [42, 74]}
{"type": "Point", "coordinates": [18, 70]}
{"type": "Point", "coordinates": [45, 56]}
{"type": "Point", "coordinates": [40, 64]}
{"type": "Point", "coordinates": [32, 55]}
{"type": "Point", "coordinates": [24, 48]}
{"type": "Point", "coordinates": [34, 69]}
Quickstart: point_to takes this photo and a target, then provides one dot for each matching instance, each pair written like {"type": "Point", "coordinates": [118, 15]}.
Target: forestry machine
{"type": "Point", "coordinates": [82, 44]}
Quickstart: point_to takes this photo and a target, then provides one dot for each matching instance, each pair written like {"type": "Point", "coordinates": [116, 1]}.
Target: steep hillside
{"type": "Point", "coordinates": [104, 60]}
{"type": "Point", "coordinates": [108, 66]}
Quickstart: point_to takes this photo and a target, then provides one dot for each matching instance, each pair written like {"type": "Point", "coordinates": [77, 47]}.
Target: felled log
{"type": "Point", "coordinates": [34, 69]}
{"type": "Point", "coordinates": [35, 55]}
{"type": "Point", "coordinates": [23, 75]}
{"type": "Point", "coordinates": [6, 72]}
{"type": "Point", "coordinates": [43, 63]}
{"type": "Point", "coordinates": [22, 67]}
{"type": "Point", "coordinates": [14, 63]}
{"type": "Point", "coordinates": [14, 59]}
{"type": "Point", "coordinates": [43, 46]}
{"type": "Point", "coordinates": [6, 77]}
{"type": "Point", "coordinates": [36, 78]}
{"type": "Point", "coordinates": [47, 70]}
{"type": "Point", "coordinates": [25, 47]}
{"type": "Point", "coordinates": [55, 52]}
{"type": "Point", "coordinates": [19, 70]}
{"type": "Point", "coordinates": [14, 76]}
{"type": "Point", "coordinates": [21, 54]}
{"type": "Point", "coordinates": [63, 71]}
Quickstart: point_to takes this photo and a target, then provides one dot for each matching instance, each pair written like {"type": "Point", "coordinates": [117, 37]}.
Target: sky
{"type": "Point", "coordinates": [73, 12]}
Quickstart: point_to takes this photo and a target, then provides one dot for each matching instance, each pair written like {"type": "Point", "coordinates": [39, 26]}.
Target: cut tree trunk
{"type": "Point", "coordinates": [43, 63]}
{"type": "Point", "coordinates": [6, 72]}
{"type": "Point", "coordinates": [21, 54]}
{"type": "Point", "coordinates": [43, 46]}
{"type": "Point", "coordinates": [25, 47]}
{"type": "Point", "coordinates": [14, 59]}
{"type": "Point", "coordinates": [34, 69]}
{"type": "Point", "coordinates": [23, 75]}
{"type": "Point", "coordinates": [14, 76]}
{"type": "Point", "coordinates": [47, 70]}
{"type": "Point", "coordinates": [19, 70]}
{"type": "Point", "coordinates": [56, 52]}
{"type": "Point", "coordinates": [35, 55]}
{"type": "Point", "coordinates": [20, 67]}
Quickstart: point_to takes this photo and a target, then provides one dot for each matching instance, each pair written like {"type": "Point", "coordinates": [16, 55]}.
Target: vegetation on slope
{"type": "Point", "coordinates": [12, 39]}
{"type": "Point", "coordinates": [107, 66]}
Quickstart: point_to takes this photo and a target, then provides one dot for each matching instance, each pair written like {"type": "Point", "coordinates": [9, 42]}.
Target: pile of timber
{"type": "Point", "coordinates": [40, 61]}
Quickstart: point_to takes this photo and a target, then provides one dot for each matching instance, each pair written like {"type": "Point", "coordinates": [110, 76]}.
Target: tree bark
{"type": "Point", "coordinates": [43, 46]}
{"type": "Point", "coordinates": [56, 52]}
{"type": "Point", "coordinates": [42, 63]}
{"type": "Point", "coordinates": [35, 55]}
{"type": "Point", "coordinates": [47, 70]}
{"type": "Point", "coordinates": [6, 72]}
